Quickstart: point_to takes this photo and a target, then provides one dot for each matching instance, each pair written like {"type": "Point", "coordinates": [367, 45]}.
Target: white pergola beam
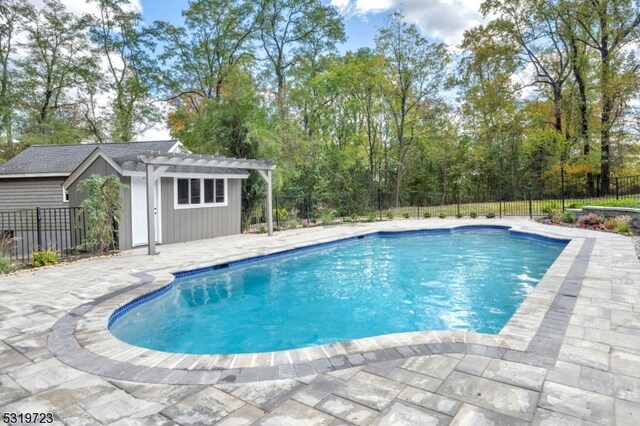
{"type": "Point", "coordinates": [266, 175]}
{"type": "Point", "coordinates": [151, 218]}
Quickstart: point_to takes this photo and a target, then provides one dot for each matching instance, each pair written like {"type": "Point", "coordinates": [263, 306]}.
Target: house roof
{"type": "Point", "coordinates": [61, 160]}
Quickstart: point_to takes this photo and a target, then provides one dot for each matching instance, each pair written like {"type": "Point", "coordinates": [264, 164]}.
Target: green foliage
{"type": "Point", "coordinates": [426, 215]}
{"type": "Point", "coordinates": [326, 218]}
{"type": "Point", "coordinates": [293, 223]}
{"type": "Point", "coordinates": [371, 217]}
{"type": "Point", "coordinates": [491, 215]}
{"type": "Point", "coordinates": [277, 228]}
{"type": "Point", "coordinates": [550, 208]}
{"type": "Point", "coordinates": [405, 215]}
{"type": "Point", "coordinates": [622, 202]}
{"type": "Point", "coordinates": [567, 217]}
{"type": "Point", "coordinates": [442, 215]}
{"type": "Point", "coordinates": [473, 215]}
{"type": "Point", "coordinates": [5, 264]}
{"type": "Point", "coordinates": [354, 217]}
{"type": "Point", "coordinates": [389, 215]}
{"type": "Point", "coordinates": [623, 227]}
{"type": "Point", "coordinates": [263, 229]}
{"type": "Point", "coordinates": [459, 215]}
{"type": "Point", "coordinates": [102, 209]}
{"type": "Point", "coordinates": [44, 258]}
{"type": "Point", "coordinates": [280, 214]}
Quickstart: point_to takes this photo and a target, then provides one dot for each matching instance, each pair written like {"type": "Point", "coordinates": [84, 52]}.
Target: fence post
{"type": "Point", "coordinates": [617, 189]}
{"type": "Point", "coordinates": [530, 203]}
{"type": "Point", "coordinates": [275, 199]}
{"type": "Point", "coordinates": [39, 229]}
{"type": "Point", "coordinates": [457, 200]}
{"type": "Point", "coordinates": [380, 203]}
{"type": "Point", "coordinates": [500, 205]}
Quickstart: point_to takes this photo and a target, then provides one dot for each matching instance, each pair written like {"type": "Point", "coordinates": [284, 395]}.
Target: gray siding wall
{"type": "Point", "coordinates": [180, 225]}
{"type": "Point", "coordinates": [101, 167]}
{"type": "Point", "coordinates": [19, 194]}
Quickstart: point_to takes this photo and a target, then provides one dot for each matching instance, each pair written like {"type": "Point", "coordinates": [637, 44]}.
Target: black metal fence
{"type": "Point", "coordinates": [292, 210]}
{"type": "Point", "coordinates": [23, 232]}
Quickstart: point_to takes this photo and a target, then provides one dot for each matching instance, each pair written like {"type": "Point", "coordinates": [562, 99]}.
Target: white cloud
{"type": "Point", "coordinates": [442, 19]}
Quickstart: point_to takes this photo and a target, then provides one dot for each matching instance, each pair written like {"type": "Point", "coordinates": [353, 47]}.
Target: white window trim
{"type": "Point", "coordinates": [65, 195]}
{"type": "Point", "coordinates": [202, 203]}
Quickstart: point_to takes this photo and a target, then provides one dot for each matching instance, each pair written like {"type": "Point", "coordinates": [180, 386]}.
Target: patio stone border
{"type": "Point", "coordinates": [533, 336]}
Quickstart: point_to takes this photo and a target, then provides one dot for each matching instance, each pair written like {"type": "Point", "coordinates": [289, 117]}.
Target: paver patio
{"type": "Point", "coordinates": [571, 355]}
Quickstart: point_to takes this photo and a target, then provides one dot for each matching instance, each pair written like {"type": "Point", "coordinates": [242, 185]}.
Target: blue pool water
{"type": "Point", "coordinates": [466, 280]}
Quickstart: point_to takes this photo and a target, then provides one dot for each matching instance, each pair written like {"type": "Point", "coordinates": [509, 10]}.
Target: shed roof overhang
{"type": "Point", "coordinates": [163, 161]}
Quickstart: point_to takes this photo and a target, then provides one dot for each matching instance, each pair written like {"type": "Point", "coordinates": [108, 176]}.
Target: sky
{"type": "Point", "coordinates": [440, 20]}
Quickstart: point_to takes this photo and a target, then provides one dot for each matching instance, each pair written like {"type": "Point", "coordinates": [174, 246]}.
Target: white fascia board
{"type": "Point", "coordinates": [190, 175]}
{"type": "Point", "coordinates": [33, 175]}
{"type": "Point", "coordinates": [85, 165]}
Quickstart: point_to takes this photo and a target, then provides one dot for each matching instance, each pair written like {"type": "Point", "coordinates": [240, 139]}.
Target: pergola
{"type": "Point", "coordinates": [157, 164]}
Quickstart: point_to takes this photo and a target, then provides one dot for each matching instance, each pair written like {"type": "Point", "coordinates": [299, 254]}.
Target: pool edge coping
{"type": "Point", "coordinates": [90, 342]}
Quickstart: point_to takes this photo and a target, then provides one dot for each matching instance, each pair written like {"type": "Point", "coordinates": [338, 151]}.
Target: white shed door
{"type": "Point", "coordinates": [139, 210]}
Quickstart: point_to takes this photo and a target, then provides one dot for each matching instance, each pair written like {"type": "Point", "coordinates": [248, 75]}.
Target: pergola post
{"type": "Point", "coordinates": [151, 219]}
{"type": "Point", "coordinates": [266, 175]}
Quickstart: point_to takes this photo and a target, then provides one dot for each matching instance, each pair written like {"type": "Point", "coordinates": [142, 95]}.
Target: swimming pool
{"type": "Point", "coordinates": [467, 278]}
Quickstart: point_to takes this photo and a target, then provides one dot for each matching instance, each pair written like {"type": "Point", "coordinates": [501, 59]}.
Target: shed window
{"type": "Point", "coordinates": [199, 192]}
{"type": "Point", "coordinates": [183, 191]}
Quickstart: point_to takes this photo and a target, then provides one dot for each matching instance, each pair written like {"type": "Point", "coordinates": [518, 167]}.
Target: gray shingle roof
{"type": "Point", "coordinates": [64, 159]}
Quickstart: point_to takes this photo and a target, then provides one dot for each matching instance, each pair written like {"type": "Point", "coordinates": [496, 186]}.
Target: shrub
{"type": "Point", "coordinates": [551, 207]}
{"type": "Point", "coordinates": [623, 228]}
{"type": "Point", "coordinates": [277, 228]}
{"type": "Point", "coordinates": [405, 215]}
{"type": "Point", "coordinates": [326, 218]}
{"type": "Point", "coordinates": [426, 215]}
{"type": "Point", "coordinates": [354, 217]}
{"type": "Point", "coordinates": [459, 215]}
{"type": "Point", "coordinates": [262, 229]}
{"type": "Point", "coordinates": [623, 224]}
{"type": "Point", "coordinates": [473, 215]}
{"type": "Point", "coordinates": [280, 214]}
{"type": "Point", "coordinates": [611, 223]}
{"type": "Point", "coordinates": [44, 258]}
{"type": "Point", "coordinates": [567, 217]}
{"type": "Point", "coordinates": [442, 215]}
{"type": "Point", "coordinates": [491, 215]}
{"type": "Point", "coordinates": [590, 219]}
{"type": "Point", "coordinates": [293, 223]}
{"type": "Point", "coordinates": [102, 209]}
{"type": "Point", "coordinates": [389, 215]}
{"type": "Point", "coordinates": [348, 220]}
{"type": "Point", "coordinates": [5, 261]}
{"type": "Point", "coordinates": [5, 264]}
{"type": "Point", "coordinates": [371, 217]}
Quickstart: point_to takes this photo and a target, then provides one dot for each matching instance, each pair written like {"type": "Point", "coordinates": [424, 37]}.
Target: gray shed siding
{"type": "Point", "coordinates": [29, 193]}
{"type": "Point", "coordinates": [180, 225]}
{"type": "Point", "coordinates": [101, 167]}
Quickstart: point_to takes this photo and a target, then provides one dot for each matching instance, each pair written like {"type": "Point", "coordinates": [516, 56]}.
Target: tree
{"type": "Point", "coordinates": [57, 54]}
{"type": "Point", "coordinates": [415, 70]}
{"type": "Point", "coordinates": [117, 33]}
{"type": "Point", "coordinates": [609, 26]}
{"type": "Point", "coordinates": [291, 29]}
{"type": "Point", "coordinates": [102, 209]}
{"type": "Point", "coordinates": [11, 16]}
{"type": "Point", "coordinates": [200, 56]}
